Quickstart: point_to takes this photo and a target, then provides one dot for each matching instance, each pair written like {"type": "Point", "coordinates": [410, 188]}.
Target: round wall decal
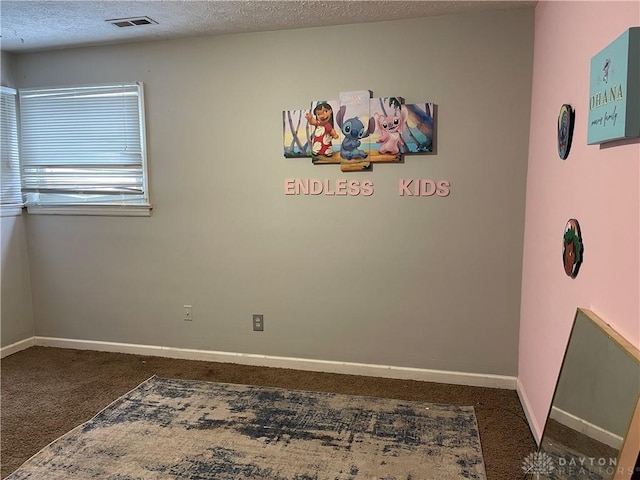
{"type": "Point", "coordinates": [572, 248]}
{"type": "Point", "coordinates": [565, 130]}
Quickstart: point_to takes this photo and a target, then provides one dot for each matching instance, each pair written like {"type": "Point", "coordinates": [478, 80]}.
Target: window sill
{"type": "Point", "coordinates": [11, 211]}
{"type": "Point", "coordinates": [96, 210]}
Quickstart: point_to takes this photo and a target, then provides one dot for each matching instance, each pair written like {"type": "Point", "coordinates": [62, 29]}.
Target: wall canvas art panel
{"type": "Point", "coordinates": [358, 130]}
{"type": "Point", "coordinates": [296, 134]}
{"type": "Point", "coordinates": [387, 144]}
{"type": "Point", "coordinates": [356, 124]}
{"type": "Point", "coordinates": [419, 132]}
{"type": "Point", "coordinates": [325, 144]}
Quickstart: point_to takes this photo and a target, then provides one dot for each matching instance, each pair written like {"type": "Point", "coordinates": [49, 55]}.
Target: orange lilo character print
{"type": "Point", "coordinates": [322, 120]}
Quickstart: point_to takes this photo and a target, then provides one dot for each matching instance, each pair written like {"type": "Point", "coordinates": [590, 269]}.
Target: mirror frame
{"type": "Point", "coordinates": [630, 450]}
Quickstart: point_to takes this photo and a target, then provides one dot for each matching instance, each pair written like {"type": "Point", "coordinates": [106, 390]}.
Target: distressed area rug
{"type": "Point", "coordinates": [184, 429]}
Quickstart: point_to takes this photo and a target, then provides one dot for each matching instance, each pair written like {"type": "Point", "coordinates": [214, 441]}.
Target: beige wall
{"type": "Point", "coordinates": [7, 61]}
{"type": "Point", "coordinates": [15, 301]}
{"type": "Point", "coordinates": [16, 310]}
{"type": "Point", "coordinates": [419, 282]}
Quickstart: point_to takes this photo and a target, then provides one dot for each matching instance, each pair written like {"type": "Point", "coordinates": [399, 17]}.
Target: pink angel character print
{"type": "Point", "coordinates": [391, 127]}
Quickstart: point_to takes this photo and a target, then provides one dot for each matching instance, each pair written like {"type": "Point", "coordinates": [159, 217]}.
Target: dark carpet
{"type": "Point", "coordinates": [45, 392]}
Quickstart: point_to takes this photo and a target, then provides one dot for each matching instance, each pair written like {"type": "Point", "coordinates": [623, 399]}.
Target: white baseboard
{"type": "Point", "coordinates": [383, 371]}
{"type": "Point", "coordinates": [16, 347]}
{"type": "Point", "coordinates": [536, 430]}
{"type": "Point", "coordinates": [589, 429]}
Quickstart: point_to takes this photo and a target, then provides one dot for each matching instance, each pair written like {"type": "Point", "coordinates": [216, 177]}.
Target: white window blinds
{"type": "Point", "coordinates": [83, 145]}
{"type": "Point", "coordinates": [10, 158]}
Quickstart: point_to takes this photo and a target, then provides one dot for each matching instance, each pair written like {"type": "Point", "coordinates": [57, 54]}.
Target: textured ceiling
{"type": "Point", "coordinates": [27, 25]}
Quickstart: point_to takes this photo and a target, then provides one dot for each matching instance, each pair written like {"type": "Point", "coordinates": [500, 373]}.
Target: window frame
{"type": "Point", "coordinates": [117, 208]}
{"type": "Point", "coordinates": [13, 209]}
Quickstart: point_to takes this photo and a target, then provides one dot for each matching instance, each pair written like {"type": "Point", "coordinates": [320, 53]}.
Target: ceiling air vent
{"type": "Point", "coordinates": [132, 22]}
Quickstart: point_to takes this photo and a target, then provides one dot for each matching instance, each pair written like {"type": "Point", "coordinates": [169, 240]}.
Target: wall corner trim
{"type": "Point", "coordinates": [526, 406]}
{"type": "Point", "coordinates": [327, 366]}
{"type": "Point", "coordinates": [17, 346]}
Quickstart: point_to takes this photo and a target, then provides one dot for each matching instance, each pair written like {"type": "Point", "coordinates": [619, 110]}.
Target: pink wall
{"type": "Point", "coordinates": [598, 186]}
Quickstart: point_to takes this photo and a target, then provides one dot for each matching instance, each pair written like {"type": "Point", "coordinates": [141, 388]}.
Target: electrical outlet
{"type": "Point", "coordinates": [188, 313]}
{"type": "Point", "coordinates": [258, 322]}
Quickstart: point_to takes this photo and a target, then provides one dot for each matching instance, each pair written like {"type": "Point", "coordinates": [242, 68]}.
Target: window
{"type": "Point", "coordinates": [11, 197]}
{"type": "Point", "coordinates": [83, 150]}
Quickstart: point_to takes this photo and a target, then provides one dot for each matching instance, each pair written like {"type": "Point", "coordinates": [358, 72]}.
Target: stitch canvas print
{"type": "Point", "coordinates": [359, 130]}
{"type": "Point", "coordinates": [355, 121]}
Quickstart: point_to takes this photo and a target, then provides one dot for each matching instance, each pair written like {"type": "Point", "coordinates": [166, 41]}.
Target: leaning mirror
{"type": "Point", "coordinates": [597, 393]}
